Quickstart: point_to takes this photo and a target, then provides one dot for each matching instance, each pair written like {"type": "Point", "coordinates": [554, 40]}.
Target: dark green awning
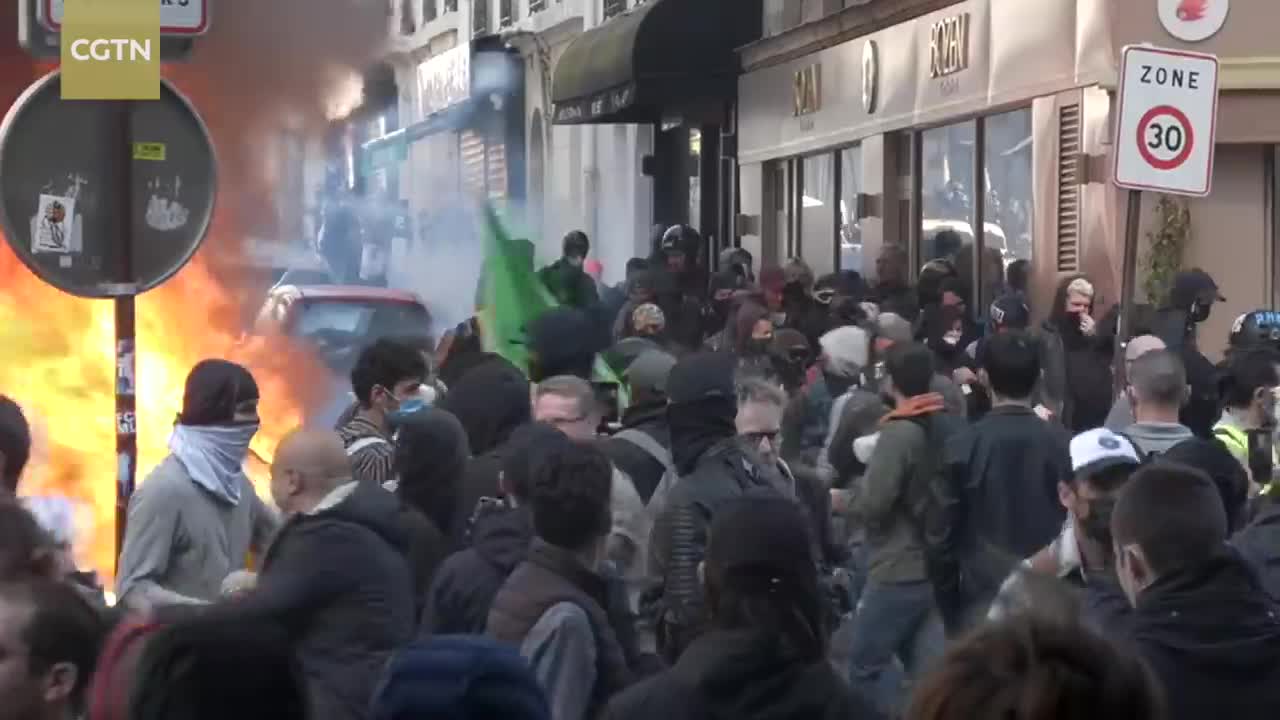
{"type": "Point", "coordinates": [656, 56]}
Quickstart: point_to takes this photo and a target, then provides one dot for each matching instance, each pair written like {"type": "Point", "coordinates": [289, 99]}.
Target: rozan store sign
{"type": "Point", "coordinates": [177, 17]}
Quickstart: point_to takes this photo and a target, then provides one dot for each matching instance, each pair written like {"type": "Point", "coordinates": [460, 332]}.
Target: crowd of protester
{"type": "Point", "coordinates": [824, 498]}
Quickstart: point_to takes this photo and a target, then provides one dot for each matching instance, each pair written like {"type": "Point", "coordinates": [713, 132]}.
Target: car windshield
{"type": "Point", "coordinates": [337, 322]}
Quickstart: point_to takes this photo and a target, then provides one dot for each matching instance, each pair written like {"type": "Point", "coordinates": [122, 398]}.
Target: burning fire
{"type": "Point", "coordinates": [60, 367]}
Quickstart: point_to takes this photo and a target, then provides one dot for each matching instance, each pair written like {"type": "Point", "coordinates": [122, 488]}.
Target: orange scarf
{"type": "Point", "coordinates": [917, 406]}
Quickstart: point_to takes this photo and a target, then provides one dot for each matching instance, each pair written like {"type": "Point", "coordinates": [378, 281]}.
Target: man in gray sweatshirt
{"type": "Point", "coordinates": [196, 517]}
{"type": "Point", "coordinates": [1157, 389]}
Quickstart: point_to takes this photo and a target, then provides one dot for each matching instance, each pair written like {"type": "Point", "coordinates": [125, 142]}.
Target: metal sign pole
{"type": "Point", "coordinates": [126, 392]}
{"type": "Point", "coordinates": [1128, 291]}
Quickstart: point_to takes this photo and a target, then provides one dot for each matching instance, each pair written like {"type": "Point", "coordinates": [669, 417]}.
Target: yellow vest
{"type": "Point", "coordinates": [1237, 441]}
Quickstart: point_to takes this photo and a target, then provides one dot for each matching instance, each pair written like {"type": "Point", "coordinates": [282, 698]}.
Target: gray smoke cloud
{"type": "Point", "coordinates": [265, 66]}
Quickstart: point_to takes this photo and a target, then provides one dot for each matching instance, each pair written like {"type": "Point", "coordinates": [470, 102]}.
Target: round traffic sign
{"type": "Point", "coordinates": [101, 198]}
{"type": "Point", "coordinates": [1165, 137]}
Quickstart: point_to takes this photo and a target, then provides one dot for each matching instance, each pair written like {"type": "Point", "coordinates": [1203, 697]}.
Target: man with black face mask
{"type": "Point", "coordinates": [1102, 462]}
{"type": "Point", "coordinates": [1190, 302]}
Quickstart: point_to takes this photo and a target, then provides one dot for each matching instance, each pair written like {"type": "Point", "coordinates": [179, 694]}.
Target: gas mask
{"type": "Point", "coordinates": [1199, 311]}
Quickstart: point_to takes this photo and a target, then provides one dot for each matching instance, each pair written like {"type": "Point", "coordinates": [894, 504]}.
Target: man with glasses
{"type": "Point", "coordinates": [569, 404]}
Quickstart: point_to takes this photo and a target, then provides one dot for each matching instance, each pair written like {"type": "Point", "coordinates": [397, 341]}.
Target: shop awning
{"type": "Point", "coordinates": [650, 59]}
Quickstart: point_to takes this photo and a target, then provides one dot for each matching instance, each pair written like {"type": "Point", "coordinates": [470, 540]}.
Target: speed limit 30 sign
{"type": "Point", "coordinates": [1166, 121]}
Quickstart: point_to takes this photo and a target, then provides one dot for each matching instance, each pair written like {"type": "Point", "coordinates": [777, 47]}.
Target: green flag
{"type": "Point", "coordinates": [514, 297]}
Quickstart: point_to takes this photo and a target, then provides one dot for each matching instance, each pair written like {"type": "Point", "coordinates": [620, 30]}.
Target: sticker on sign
{"type": "Point", "coordinates": [177, 17]}
{"type": "Point", "coordinates": [1166, 122]}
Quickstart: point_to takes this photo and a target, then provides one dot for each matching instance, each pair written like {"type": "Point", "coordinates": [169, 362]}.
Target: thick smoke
{"type": "Point", "coordinates": [265, 67]}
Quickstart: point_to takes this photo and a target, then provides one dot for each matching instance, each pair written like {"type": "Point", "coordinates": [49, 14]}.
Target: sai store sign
{"type": "Point", "coordinates": [1193, 20]}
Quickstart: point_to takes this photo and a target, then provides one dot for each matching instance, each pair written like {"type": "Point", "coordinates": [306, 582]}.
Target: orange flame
{"type": "Point", "coordinates": [60, 367]}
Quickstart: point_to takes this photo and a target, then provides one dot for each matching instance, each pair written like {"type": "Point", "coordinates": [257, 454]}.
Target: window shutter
{"type": "Point", "coordinates": [472, 151]}
{"type": "Point", "coordinates": [1069, 159]}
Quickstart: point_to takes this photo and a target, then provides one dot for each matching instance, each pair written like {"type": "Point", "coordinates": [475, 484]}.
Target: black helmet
{"type": "Point", "coordinates": [1253, 329]}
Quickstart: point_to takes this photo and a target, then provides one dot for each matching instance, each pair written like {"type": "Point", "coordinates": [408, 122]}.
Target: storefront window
{"type": "Point", "coordinates": [946, 190]}
{"type": "Point", "coordinates": [817, 212]}
{"type": "Point", "coordinates": [852, 256]}
{"type": "Point", "coordinates": [1009, 202]}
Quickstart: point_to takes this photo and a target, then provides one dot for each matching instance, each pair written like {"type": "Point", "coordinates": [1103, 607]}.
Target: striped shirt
{"type": "Point", "coordinates": [375, 461]}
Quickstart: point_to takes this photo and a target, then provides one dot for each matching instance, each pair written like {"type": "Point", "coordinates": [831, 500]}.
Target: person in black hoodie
{"type": "Point", "coordinates": [712, 468]}
{"type": "Point", "coordinates": [565, 278]}
{"type": "Point", "coordinates": [642, 449]}
{"type": "Point", "coordinates": [336, 577]}
{"type": "Point", "coordinates": [430, 462]}
{"type": "Point", "coordinates": [1077, 358]}
{"type": "Point", "coordinates": [764, 655]}
{"type": "Point", "coordinates": [1202, 620]}
{"type": "Point", "coordinates": [464, 587]}
{"type": "Point", "coordinates": [490, 401]}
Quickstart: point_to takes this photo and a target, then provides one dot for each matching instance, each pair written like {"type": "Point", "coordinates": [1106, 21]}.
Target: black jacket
{"type": "Point", "coordinates": [1077, 377]}
{"type": "Point", "coordinates": [1259, 543]}
{"type": "Point", "coordinates": [741, 675]}
{"type": "Point", "coordinates": [548, 576]}
{"type": "Point", "coordinates": [1009, 465]}
{"type": "Point", "coordinates": [643, 469]}
{"type": "Point", "coordinates": [679, 539]}
{"type": "Point", "coordinates": [337, 580]}
{"type": "Point", "coordinates": [467, 581]}
{"type": "Point", "coordinates": [1211, 635]}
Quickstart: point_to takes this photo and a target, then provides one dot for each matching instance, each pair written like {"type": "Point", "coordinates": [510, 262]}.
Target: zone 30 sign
{"type": "Point", "coordinates": [1166, 122]}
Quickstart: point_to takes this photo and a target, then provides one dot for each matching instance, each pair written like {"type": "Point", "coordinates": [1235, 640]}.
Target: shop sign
{"type": "Point", "coordinates": [1193, 20]}
{"type": "Point", "coordinates": [870, 76]}
{"type": "Point", "coordinates": [949, 46]}
{"type": "Point", "coordinates": [444, 80]}
{"type": "Point", "coordinates": [807, 90]}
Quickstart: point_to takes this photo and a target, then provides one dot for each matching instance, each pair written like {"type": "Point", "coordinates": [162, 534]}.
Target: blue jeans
{"type": "Point", "coordinates": [893, 620]}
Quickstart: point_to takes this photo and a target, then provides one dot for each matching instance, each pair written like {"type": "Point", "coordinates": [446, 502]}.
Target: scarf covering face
{"type": "Point", "coordinates": [213, 455]}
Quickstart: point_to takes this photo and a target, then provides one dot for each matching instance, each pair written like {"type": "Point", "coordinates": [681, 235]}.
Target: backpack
{"type": "Point", "coordinates": [935, 506]}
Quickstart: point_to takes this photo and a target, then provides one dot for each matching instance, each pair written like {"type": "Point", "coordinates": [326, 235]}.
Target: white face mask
{"type": "Point", "coordinates": [952, 338]}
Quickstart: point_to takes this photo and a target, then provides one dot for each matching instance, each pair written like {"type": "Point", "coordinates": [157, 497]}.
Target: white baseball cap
{"type": "Point", "coordinates": [1100, 448]}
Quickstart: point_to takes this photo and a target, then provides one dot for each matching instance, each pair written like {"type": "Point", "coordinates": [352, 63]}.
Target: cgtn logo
{"type": "Point", "coordinates": [1193, 20]}
{"type": "Point", "coordinates": [111, 50]}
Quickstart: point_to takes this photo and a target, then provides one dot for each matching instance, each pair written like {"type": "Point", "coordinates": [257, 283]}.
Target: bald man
{"type": "Point", "coordinates": [337, 574]}
{"type": "Point", "coordinates": [1121, 415]}
{"type": "Point", "coordinates": [310, 469]}
{"type": "Point", "coordinates": [1158, 389]}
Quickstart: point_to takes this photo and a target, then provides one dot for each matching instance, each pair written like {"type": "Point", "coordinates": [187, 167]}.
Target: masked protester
{"type": "Point", "coordinates": [389, 380]}
{"type": "Point", "coordinates": [566, 279]}
{"type": "Point", "coordinates": [1077, 358]}
{"type": "Point", "coordinates": [712, 469]}
{"type": "Point", "coordinates": [754, 332]}
{"type": "Point", "coordinates": [682, 250]}
{"type": "Point", "coordinates": [196, 517]}
{"type": "Point", "coordinates": [1190, 302]}
{"type": "Point", "coordinates": [1102, 462]}
{"type": "Point", "coordinates": [719, 305]}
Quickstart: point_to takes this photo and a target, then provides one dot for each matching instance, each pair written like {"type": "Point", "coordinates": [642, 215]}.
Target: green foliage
{"type": "Point", "coordinates": [1166, 242]}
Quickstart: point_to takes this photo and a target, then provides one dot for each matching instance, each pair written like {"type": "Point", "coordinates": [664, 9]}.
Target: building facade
{"type": "Point", "coordinates": [613, 117]}
{"type": "Point", "coordinates": [915, 123]}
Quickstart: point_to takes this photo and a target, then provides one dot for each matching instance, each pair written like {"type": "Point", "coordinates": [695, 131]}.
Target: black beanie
{"type": "Point", "coordinates": [701, 376]}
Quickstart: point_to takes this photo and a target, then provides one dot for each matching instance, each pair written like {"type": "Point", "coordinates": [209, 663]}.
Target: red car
{"type": "Point", "coordinates": [341, 319]}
